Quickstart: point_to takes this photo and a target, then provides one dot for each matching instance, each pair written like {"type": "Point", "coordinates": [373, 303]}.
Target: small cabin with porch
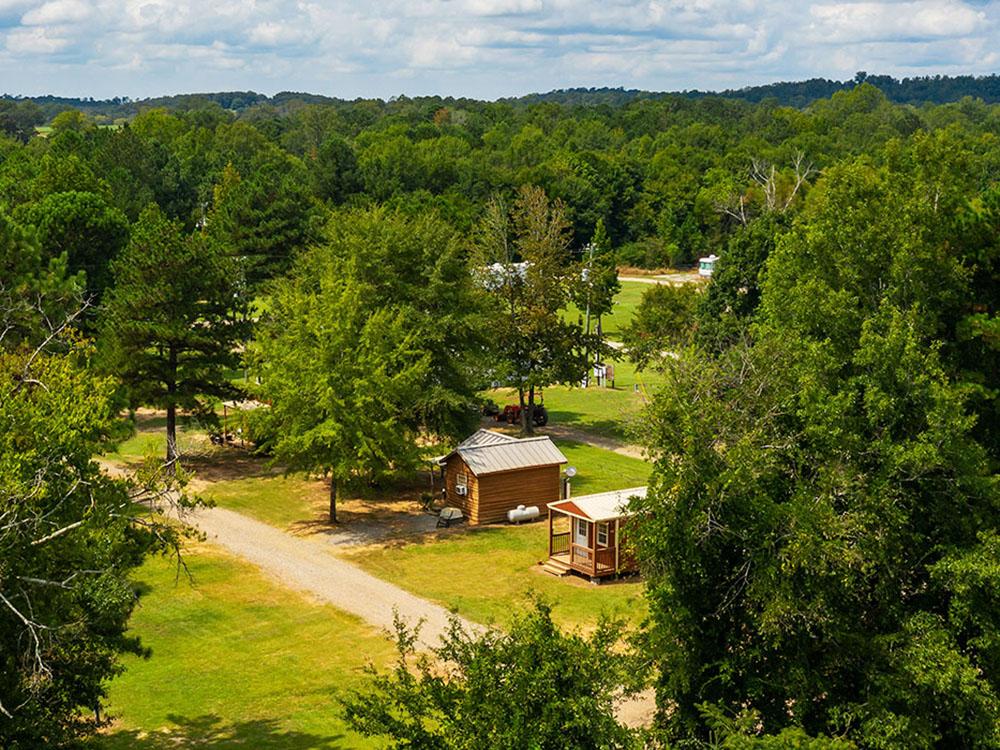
{"type": "Point", "coordinates": [585, 534]}
{"type": "Point", "coordinates": [489, 474]}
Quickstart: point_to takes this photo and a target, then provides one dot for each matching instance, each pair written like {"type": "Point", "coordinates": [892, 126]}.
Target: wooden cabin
{"type": "Point", "coordinates": [490, 473]}
{"type": "Point", "coordinates": [585, 534]}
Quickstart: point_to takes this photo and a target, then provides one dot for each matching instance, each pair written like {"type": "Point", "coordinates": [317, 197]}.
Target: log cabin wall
{"type": "Point", "coordinates": [454, 469]}
{"type": "Point", "coordinates": [498, 493]}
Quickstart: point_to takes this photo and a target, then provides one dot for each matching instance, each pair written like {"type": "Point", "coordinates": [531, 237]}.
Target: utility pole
{"type": "Point", "coordinates": [590, 260]}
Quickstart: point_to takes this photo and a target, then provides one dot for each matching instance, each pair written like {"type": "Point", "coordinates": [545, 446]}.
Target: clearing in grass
{"type": "Point", "coordinates": [486, 574]}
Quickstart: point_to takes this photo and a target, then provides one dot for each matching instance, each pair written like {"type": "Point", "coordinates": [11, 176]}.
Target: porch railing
{"type": "Point", "coordinates": [559, 543]}
{"type": "Point", "coordinates": [580, 555]}
{"type": "Point", "coordinates": [604, 560]}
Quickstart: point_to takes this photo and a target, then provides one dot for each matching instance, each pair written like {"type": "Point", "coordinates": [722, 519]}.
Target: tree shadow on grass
{"type": "Point", "coordinates": [228, 463]}
{"type": "Point", "coordinates": [213, 733]}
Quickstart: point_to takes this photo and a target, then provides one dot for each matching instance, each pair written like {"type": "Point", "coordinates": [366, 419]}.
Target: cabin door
{"type": "Point", "coordinates": [581, 536]}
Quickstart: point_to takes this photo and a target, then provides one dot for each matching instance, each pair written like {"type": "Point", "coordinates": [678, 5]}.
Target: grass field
{"type": "Point", "coordinates": [599, 470]}
{"type": "Point", "coordinates": [278, 500]}
{"type": "Point", "coordinates": [625, 303]}
{"type": "Point", "coordinates": [151, 438]}
{"type": "Point", "coordinates": [237, 662]}
{"type": "Point", "coordinates": [487, 574]}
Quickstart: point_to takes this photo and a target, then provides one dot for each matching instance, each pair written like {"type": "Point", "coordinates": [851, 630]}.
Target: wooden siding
{"type": "Point", "coordinates": [499, 493]}
{"type": "Point", "coordinates": [491, 496]}
{"type": "Point", "coordinates": [453, 469]}
{"type": "Point", "coordinates": [626, 560]}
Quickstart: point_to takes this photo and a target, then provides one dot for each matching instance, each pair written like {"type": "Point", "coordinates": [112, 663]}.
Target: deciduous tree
{"type": "Point", "coordinates": [663, 322]}
{"type": "Point", "coordinates": [342, 378]}
{"type": "Point", "coordinates": [523, 259]}
{"type": "Point", "coordinates": [532, 686]}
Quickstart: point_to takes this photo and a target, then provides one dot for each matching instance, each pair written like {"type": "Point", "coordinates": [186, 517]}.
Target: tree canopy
{"type": "Point", "coordinates": [530, 686]}
{"type": "Point", "coordinates": [169, 326]}
{"type": "Point", "coordinates": [822, 482]}
{"type": "Point", "coordinates": [371, 339]}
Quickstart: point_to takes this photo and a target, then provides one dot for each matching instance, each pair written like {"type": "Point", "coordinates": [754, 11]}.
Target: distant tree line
{"type": "Point", "coordinates": [917, 90]}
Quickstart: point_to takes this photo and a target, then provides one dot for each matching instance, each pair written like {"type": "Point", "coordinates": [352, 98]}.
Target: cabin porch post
{"type": "Point", "coordinates": [592, 539]}
{"type": "Point", "coordinates": [550, 532]}
{"type": "Point", "coordinates": [618, 546]}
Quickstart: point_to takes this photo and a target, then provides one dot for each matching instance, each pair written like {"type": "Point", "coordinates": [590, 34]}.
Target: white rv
{"type": "Point", "coordinates": [707, 265]}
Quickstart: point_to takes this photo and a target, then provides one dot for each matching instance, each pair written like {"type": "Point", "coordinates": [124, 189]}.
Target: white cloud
{"type": "Point", "coordinates": [277, 34]}
{"type": "Point", "coordinates": [856, 22]}
{"type": "Point", "coordinates": [37, 41]}
{"type": "Point", "coordinates": [479, 47]}
{"type": "Point", "coordinates": [502, 7]}
{"type": "Point", "coordinates": [57, 12]}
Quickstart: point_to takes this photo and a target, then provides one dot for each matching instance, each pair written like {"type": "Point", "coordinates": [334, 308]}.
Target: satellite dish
{"type": "Point", "coordinates": [571, 471]}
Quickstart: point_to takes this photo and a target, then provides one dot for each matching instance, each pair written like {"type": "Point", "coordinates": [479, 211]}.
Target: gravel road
{"type": "Point", "coordinates": [581, 436]}
{"type": "Point", "coordinates": [307, 565]}
{"type": "Point", "coordinates": [674, 279]}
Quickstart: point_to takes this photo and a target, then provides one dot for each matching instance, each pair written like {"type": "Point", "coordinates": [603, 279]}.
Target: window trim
{"type": "Point", "coordinates": [606, 528]}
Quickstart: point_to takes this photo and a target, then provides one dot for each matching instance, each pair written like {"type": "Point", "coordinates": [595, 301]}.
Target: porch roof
{"type": "Point", "coordinates": [604, 506]}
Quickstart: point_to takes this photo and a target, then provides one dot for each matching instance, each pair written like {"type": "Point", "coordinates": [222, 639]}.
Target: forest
{"type": "Point", "coordinates": [819, 546]}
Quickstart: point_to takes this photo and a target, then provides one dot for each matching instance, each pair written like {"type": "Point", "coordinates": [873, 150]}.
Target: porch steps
{"type": "Point", "coordinates": [556, 568]}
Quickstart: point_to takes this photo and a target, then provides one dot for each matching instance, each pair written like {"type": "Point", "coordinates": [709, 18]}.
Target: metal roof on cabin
{"type": "Point", "coordinates": [511, 454]}
{"type": "Point", "coordinates": [486, 437]}
{"type": "Point", "coordinates": [603, 506]}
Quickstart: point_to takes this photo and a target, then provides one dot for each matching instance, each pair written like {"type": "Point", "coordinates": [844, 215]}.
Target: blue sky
{"type": "Point", "coordinates": [480, 48]}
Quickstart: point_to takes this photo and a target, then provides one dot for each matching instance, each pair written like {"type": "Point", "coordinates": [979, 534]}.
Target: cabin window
{"type": "Point", "coordinates": [460, 480]}
{"type": "Point", "coordinates": [602, 534]}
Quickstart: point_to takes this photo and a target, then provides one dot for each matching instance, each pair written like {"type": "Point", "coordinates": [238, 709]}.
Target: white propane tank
{"type": "Point", "coordinates": [522, 513]}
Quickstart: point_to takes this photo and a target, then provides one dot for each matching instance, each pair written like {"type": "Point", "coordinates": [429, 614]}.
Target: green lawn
{"type": "Point", "coordinates": [150, 437]}
{"type": "Point", "coordinates": [487, 574]}
{"type": "Point", "coordinates": [237, 662]}
{"type": "Point", "coordinates": [606, 412]}
{"type": "Point", "coordinates": [603, 411]}
{"type": "Point", "coordinates": [278, 500]}
{"type": "Point", "coordinates": [599, 470]}
{"type": "Point", "coordinates": [625, 303]}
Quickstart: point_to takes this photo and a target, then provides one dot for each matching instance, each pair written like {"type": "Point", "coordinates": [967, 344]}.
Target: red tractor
{"type": "Point", "coordinates": [511, 414]}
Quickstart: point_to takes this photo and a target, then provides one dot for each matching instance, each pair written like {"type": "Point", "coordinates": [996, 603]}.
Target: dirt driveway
{"type": "Point", "coordinates": [307, 565]}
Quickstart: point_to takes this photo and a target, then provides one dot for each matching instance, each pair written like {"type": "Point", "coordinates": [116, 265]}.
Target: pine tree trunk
{"type": "Point", "coordinates": [172, 410]}
{"type": "Point", "coordinates": [334, 498]}
{"type": "Point", "coordinates": [171, 436]}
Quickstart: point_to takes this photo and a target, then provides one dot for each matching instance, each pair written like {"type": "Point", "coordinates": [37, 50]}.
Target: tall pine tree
{"type": "Point", "coordinates": [170, 327]}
